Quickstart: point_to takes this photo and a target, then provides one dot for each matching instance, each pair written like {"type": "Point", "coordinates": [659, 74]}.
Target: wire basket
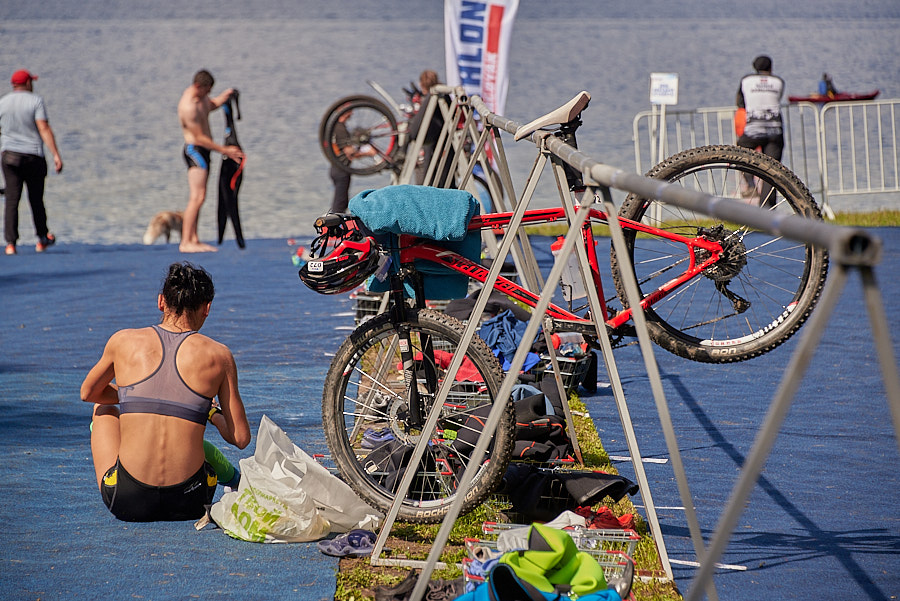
{"type": "Point", "coordinates": [611, 548]}
{"type": "Point", "coordinates": [572, 369]}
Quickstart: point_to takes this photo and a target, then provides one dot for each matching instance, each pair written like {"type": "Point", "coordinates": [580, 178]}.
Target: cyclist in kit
{"type": "Point", "coordinates": [760, 95]}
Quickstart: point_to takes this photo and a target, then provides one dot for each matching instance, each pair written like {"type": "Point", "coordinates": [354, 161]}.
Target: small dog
{"type": "Point", "coordinates": [163, 224]}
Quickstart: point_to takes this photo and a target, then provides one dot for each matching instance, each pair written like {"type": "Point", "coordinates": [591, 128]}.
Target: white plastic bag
{"type": "Point", "coordinates": [286, 496]}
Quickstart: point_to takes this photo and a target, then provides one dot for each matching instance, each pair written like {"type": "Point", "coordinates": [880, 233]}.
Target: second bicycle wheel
{"type": "Point", "coordinates": [371, 131]}
{"type": "Point", "coordinates": [763, 288]}
{"type": "Point", "coordinates": [371, 431]}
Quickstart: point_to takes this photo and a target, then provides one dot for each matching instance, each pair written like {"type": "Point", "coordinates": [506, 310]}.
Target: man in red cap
{"type": "Point", "coordinates": [24, 131]}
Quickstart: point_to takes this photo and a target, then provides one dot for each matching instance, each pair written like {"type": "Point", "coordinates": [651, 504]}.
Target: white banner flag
{"type": "Point", "coordinates": [476, 41]}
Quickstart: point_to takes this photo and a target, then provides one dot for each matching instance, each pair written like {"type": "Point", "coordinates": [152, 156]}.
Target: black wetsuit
{"type": "Point", "coordinates": [230, 176]}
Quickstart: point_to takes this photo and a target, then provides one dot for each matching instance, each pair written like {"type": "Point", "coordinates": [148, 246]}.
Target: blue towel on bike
{"type": "Point", "coordinates": [423, 211]}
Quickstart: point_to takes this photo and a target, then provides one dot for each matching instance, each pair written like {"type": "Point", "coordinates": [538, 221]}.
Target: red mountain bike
{"type": "Point", "coordinates": [712, 291]}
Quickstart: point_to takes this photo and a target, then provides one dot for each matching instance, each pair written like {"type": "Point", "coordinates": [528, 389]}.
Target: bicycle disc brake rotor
{"type": "Point", "coordinates": [733, 258]}
{"type": "Point", "coordinates": [398, 417]}
{"type": "Point", "coordinates": [360, 136]}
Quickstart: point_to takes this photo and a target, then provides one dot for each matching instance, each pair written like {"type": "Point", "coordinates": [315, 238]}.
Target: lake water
{"type": "Point", "coordinates": [111, 75]}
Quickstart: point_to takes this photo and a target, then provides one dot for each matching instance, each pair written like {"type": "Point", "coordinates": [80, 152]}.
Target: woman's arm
{"type": "Point", "coordinates": [96, 387]}
{"type": "Point", "coordinates": [235, 429]}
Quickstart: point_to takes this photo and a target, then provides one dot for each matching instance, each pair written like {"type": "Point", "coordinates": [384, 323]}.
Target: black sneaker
{"type": "Point", "coordinates": [43, 243]}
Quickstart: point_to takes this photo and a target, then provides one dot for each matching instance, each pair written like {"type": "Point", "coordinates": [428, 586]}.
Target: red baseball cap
{"type": "Point", "coordinates": [22, 77]}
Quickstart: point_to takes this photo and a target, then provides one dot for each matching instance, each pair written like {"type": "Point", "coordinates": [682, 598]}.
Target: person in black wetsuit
{"type": "Point", "coordinates": [339, 177]}
{"type": "Point", "coordinates": [343, 147]}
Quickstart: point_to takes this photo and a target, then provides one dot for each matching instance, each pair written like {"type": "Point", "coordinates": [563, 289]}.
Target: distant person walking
{"type": "Point", "coordinates": [150, 459]}
{"type": "Point", "coordinates": [193, 112]}
{"type": "Point", "coordinates": [24, 130]}
{"type": "Point", "coordinates": [760, 95]}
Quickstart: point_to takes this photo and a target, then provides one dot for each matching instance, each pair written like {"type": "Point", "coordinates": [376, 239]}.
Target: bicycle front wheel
{"type": "Point", "coordinates": [762, 289]}
{"type": "Point", "coordinates": [369, 423]}
{"type": "Point", "coordinates": [373, 135]}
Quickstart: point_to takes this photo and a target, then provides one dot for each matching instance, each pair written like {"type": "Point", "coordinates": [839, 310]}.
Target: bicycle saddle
{"type": "Point", "coordinates": [563, 114]}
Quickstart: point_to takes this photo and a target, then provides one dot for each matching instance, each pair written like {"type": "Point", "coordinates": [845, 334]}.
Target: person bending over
{"type": "Point", "coordinates": [193, 112]}
{"type": "Point", "coordinates": [147, 431]}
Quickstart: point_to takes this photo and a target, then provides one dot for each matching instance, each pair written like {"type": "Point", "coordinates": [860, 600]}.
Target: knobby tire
{"type": "Point", "coordinates": [365, 401]}
{"type": "Point", "coordinates": [765, 286]}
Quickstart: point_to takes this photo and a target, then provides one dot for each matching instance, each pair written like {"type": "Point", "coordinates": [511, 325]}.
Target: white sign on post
{"type": "Point", "coordinates": [664, 88]}
{"type": "Point", "coordinates": [663, 91]}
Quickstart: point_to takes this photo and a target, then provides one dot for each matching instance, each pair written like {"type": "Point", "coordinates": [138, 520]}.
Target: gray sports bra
{"type": "Point", "coordinates": [164, 392]}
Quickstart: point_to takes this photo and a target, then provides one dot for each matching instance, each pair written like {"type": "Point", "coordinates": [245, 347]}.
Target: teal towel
{"type": "Point", "coordinates": [423, 211]}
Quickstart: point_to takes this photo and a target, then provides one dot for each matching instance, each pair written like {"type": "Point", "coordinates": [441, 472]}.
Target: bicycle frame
{"type": "Point", "coordinates": [412, 248]}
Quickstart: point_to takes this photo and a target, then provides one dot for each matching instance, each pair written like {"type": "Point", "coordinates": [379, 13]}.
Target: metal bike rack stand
{"type": "Point", "coordinates": [510, 379]}
{"type": "Point", "coordinates": [849, 248]}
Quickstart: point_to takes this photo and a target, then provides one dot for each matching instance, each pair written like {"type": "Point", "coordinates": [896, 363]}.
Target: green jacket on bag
{"type": "Point", "coordinates": [552, 563]}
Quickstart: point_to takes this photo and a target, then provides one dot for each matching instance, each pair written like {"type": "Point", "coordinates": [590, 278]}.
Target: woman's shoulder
{"type": "Point", "coordinates": [209, 345]}
{"type": "Point", "coordinates": [132, 334]}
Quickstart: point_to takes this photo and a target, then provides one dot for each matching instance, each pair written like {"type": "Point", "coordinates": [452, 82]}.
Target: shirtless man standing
{"type": "Point", "coordinates": [193, 112]}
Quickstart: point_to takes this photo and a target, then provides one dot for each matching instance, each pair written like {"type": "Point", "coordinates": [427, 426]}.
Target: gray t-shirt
{"type": "Point", "coordinates": [18, 131]}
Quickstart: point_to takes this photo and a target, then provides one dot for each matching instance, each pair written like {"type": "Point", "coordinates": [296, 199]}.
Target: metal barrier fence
{"type": "Point", "coordinates": [845, 148]}
{"type": "Point", "coordinates": [859, 147]}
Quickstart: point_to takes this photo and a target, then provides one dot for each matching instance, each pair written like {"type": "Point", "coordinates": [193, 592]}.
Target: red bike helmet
{"type": "Point", "coordinates": [353, 259]}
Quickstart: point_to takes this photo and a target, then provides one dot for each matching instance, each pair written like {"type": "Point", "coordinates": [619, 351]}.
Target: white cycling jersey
{"type": "Point", "coordinates": [760, 94]}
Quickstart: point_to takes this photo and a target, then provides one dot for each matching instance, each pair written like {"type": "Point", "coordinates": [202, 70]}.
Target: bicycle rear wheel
{"type": "Point", "coordinates": [368, 426]}
{"type": "Point", "coordinates": [764, 287]}
{"type": "Point", "coordinates": [371, 126]}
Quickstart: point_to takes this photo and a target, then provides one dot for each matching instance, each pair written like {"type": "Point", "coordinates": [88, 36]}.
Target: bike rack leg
{"type": "Point", "coordinates": [612, 370]}
{"type": "Point", "coordinates": [880, 334]}
{"type": "Point", "coordinates": [662, 407]}
{"type": "Point", "coordinates": [505, 391]}
{"type": "Point", "coordinates": [443, 392]}
{"type": "Point", "coordinates": [781, 403]}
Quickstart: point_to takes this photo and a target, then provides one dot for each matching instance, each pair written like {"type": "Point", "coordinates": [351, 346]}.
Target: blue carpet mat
{"type": "Point", "coordinates": [823, 522]}
{"type": "Point", "coordinates": [58, 539]}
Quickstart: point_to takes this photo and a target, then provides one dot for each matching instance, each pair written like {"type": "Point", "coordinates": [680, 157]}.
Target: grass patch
{"type": "Point", "coordinates": [874, 219]}
{"type": "Point", "coordinates": [356, 578]}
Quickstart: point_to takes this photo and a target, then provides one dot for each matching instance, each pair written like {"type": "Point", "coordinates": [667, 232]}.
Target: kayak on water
{"type": "Point", "coordinates": [839, 97]}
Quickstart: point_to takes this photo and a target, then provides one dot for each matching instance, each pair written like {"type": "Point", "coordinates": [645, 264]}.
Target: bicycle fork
{"type": "Point", "coordinates": [417, 413]}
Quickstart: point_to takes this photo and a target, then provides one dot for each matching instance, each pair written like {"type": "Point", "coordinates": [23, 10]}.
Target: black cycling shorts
{"type": "Point", "coordinates": [133, 501]}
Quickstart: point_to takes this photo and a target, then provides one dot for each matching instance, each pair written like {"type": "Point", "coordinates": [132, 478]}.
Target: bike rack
{"type": "Point", "coordinates": [849, 248]}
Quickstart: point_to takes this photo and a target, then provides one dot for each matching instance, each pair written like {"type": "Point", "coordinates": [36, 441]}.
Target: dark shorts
{"type": "Point", "coordinates": [771, 145]}
{"type": "Point", "coordinates": [133, 501]}
{"type": "Point", "coordinates": [196, 156]}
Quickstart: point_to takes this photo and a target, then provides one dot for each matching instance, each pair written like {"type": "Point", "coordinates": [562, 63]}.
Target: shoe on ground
{"type": "Point", "coordinates": [10, 249]}
{"type": "Point", "coordinates": [43, 243]}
